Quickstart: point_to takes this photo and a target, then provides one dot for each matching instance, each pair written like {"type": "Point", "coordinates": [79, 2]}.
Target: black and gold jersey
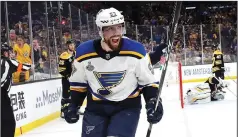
{"type": "Point", "coordinates": [217, 61]}
{"type": "Point", "coordinates": [65, 64]}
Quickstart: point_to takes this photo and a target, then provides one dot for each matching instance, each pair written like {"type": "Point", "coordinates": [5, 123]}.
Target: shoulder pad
{"type": "Point", "coordinates": [133, 48]}
{"type": "Point", "coordinates": [65, 55]}
{"type": "Point", "coordinates": [85, 50]}
{"type": "Point", "coordinates": [217, 52]}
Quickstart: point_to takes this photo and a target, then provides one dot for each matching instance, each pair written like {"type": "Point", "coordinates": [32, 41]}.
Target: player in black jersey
{"type": "Point", "coordinates": [218, 69]}
{"type": "Point", "coordinates": [218, 63]}
{"type": "Point", "coordinates": [8, 66]}
{"type": "Point", "coordinates": [65, 69]}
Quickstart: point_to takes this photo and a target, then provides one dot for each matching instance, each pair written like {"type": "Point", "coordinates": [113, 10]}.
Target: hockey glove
{"type": "Point", "coordinates": [163, 46]}
{"type": "Point", "coordinates": [71, 114]}
{"type": "Point", "coordinates": [64, 106]}
{"type": "Point", "coordinates": [154, 116]}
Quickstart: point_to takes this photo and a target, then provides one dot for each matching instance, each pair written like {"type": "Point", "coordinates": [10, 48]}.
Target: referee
{"type": "Point", "coordinates": [8, 67]}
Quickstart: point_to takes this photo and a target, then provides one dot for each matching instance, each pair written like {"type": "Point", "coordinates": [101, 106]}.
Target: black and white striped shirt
{"type": "Point", "coordinates": [8, 67]}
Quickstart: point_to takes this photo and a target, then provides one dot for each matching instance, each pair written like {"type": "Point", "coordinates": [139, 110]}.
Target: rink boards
{"type": "Point", "coordinates": [35, 104]}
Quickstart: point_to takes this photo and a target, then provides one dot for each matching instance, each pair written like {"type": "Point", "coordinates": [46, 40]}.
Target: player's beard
{"type": "Point", "coordinates": [114, 44]}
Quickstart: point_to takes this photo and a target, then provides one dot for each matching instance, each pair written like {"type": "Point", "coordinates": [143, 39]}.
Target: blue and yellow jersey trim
{"type": "Point", "coordinates": [136, 92]}
{"type": "Point", "coordinates": [78, 87]}
{"type": "Point", "coordinates": [130, 48]}
{"type": "Point", "coordinates": [85, 51]}
{"type": "Point", "coordinates": [133, 49]}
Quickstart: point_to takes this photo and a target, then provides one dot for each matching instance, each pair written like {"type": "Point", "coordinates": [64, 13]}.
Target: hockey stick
{"type": "Point", "coordinates": [230, 77]}
{"type": "Point", "coordinates": [231, 92]}
{"type": "Point", "coordinates": [174, 24]}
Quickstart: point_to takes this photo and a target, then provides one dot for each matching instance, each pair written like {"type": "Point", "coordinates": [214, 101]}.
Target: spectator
{"type": "Point", "coordinates": [13, 37]}
{"type": "Point", "coordinates": [37, 56]}
{"type": "Point", "coordinates": [23, 54]}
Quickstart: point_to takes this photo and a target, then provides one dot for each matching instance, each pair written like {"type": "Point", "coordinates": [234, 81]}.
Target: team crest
{"type": "Point", "coordinates": [90, 67]}
{"type": "Point", "coordinates": [108, 80]}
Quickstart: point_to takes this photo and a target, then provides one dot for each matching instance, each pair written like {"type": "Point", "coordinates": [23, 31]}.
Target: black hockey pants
{"type": "Point", "coordinates": [65, 87]}
{"type": "Point", "coordinates": [7, 116]}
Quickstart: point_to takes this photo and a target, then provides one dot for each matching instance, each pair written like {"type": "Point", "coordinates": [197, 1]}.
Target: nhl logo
{"type": "Point", "coordinates": [108, 56]}
{"type": "Point", "coordinates": [90, 67]}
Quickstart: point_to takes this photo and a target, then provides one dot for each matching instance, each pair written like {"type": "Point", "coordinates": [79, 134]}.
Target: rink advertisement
{"type": "Point", "coordinates": [18, 105]}
{"type": "Point", "coordinates": [35, 104]}
{"type": "Point", "coordinates": [201, 72]}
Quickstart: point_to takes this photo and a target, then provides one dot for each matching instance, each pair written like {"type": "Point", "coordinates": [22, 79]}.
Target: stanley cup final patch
{"type": "Point", "coordinates": [90, 67]}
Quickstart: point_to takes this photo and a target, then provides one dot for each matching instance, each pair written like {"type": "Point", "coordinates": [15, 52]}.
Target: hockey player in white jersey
{"type": "Point", "coordinates": [112, 72]}
{"type": "Point", "coordinates": [211, 90]}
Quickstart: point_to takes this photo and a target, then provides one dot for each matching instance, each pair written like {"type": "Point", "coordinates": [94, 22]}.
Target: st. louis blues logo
{"type": "Point", "coordinates": [108, 80]}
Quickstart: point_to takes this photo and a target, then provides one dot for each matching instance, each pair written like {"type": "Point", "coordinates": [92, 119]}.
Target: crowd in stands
{"type": "Point", "coordinates": [216, 26]}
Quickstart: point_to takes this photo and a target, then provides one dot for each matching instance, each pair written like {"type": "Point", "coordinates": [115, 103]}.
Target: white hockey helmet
{"type": "Point", "coordinates": [108, 17]}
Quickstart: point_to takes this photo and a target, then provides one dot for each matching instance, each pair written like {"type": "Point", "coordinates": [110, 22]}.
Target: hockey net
{"type": "Point", "coordinates": [173, 80]}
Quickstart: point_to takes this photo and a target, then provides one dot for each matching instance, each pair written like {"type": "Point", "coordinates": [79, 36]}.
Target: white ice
{"type": "Point", "coordinates": [215, 119]}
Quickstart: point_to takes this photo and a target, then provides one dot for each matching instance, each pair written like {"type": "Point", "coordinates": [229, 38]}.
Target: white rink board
{"type": "Point", "coordinates": [35, 100]}
{"type": "Point", "coordinates": [205, 71]}
{"type": "Point", "coordinates": [196, 73]}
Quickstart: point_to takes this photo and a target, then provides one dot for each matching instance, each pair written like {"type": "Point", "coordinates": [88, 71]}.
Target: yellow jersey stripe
{"type": "Point", "coordinates": [135, 95]}
{"type": "Point", "coordinates": [154, 85]}
{"type": "Point", "coordinates": [86, 55]}
{"type": "Point", "coordinates": [78, 89]}
{"type": "Point", "coordinates": [132, 53]}
{"type": "Point", "coordinates": [95, 98]}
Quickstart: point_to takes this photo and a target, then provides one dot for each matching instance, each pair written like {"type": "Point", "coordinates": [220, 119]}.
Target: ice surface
{"type": "Point", "coordinates": [215, 119]}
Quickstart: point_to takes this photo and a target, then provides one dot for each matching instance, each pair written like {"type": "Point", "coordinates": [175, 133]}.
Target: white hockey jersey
{"type": "Point", "coordinates": [112, 76]}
